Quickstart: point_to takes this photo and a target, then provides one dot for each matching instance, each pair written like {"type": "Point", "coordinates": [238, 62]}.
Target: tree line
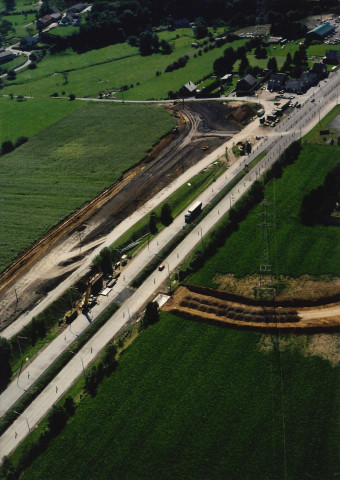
{"type": "Point", "coordinates": [318, 204]}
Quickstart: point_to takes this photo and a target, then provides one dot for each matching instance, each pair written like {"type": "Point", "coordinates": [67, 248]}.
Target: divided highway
{"type": "Point", "coordinates": [298, 123]}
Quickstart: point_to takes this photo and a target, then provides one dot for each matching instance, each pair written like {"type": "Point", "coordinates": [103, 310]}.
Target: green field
{"type": "Point", "coordinates": [23, 24]}
{"type": "Point", "coordinates": [68, 164]}
{"type": "Point", "coordinates": [64, 31]}
{"type": "Point", "coordinates": [109, 68]}
{"type": "Point", "coordinates": [300, 249]}
{"type": "Point", "coordinates": [26, 118]}
{"type": "Point", "coordinates": [192, 401]}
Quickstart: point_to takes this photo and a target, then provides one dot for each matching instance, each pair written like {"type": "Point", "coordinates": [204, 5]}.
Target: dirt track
{"type": "Point", "coordinates": [62, 250]}
{"type": "Point", "coordinates": [213, 310]}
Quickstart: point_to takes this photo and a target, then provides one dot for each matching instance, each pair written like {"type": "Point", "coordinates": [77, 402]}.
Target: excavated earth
{"type": "Point", "coordinates": [44, 265]}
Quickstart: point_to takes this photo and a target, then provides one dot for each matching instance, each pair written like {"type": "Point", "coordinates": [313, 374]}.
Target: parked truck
{"type": "Point", "coordinates": [193, 212]}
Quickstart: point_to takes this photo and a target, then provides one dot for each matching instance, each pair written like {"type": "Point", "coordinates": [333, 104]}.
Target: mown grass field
{"type": "Point", "coordinates": [110, 68]}
{"type": "Point", "coordinates": [20, 24]}
{"type": "Point", "coordinates": [68, 164]}
{"type": "Point", "coordinates": [26, 118]}
{"type": "Point", "coordinates": [192, 401]}
{"type": "Point", "coordinates": [299, 249]}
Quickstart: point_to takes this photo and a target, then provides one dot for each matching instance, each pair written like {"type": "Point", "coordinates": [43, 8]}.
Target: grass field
{"type": "Point", "coordinates": [64, 31]}
{"type": "Point", "coordinates": [192, 401]}
{"type": "Point", "coordinates": [20, 23]}
{"type": "Point", "coordinates": [111, 67]}
{"type": "Point", "coordinates": [69, 163]}
{"type": "Point", "coordinates": [31, 116]}
{"type": "Point", "coordinates": [300, 249]}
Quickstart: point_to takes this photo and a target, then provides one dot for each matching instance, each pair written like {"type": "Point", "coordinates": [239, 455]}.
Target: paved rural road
{"type": "Point", "coordinates": [289, 130]}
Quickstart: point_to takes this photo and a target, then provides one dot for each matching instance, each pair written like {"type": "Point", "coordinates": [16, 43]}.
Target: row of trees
{"type": "Point", "coordinates": [8, 146]}
{"type": "Point", "coordinates": [322, 201]}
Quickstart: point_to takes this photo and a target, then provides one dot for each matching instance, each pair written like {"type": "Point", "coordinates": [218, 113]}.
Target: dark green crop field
{"type": "Point", "coordinates": [29, 117]}
{"type": "Point", "coordinates": [192, 401]}
{"type": "Point", "coordinates": [68, 164]}
{"type": "Point", "coordinates": [298, 249]}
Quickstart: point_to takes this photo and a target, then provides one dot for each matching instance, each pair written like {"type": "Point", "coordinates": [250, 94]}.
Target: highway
{"type": "Point", "coordinates": [298, 123]}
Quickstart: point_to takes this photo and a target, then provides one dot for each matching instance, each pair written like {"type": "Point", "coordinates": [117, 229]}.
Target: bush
{"type": "Point", "coordinates": [72, 96]}
{"type": "Point", "coordinates": [20, 141]}
{"type": "Point", "coordinates": [7, 147]}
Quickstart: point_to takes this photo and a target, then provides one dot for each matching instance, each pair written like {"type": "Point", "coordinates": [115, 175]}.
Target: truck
{"type": "Point", "coordinates": [193, 212]}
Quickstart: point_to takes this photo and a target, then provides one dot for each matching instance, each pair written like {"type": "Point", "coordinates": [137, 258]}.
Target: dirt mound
{"type": "Point", "coordinates": [213, 310]}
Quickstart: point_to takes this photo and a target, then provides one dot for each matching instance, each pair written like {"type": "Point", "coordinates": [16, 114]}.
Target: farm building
{"type": "Point", "coordinates": [6, 55]}
{"type": "Point", "coordinates": [27, 42]}
{"type": "Point", "coordinates": [321, 32]}
{"type": "Point", "coordinates": [44, 22]}
{"type": "Point", "coordinates": [189, 89]}
{"type": "Point", "coordinates": [272, 41]}
{"type": "Point", "coordinates": [79, 7]}
{"type": "Point", "coordinates": [227, 78]}
{"type": "Point", "coordinates": [276, 81]}
{"type": "Point", "coordinates": [246, 84]}
{"type": "Point", "coordinates": [332, 57]}
{"type": "Point", "coordinates": [301, 85]}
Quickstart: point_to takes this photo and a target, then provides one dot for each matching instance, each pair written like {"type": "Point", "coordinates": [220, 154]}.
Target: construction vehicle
{"type": "Point", "coordinates": [205, 147]}
{"type": "Point", "coordinates": [70, 316]}
{"type": "Point", "coordinates": [94, 283]}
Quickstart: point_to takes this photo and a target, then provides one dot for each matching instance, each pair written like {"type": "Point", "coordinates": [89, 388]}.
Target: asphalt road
{"type": "Point", "coordinates": [298, 123]}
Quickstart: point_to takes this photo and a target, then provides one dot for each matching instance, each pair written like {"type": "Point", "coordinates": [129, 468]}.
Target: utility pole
{"type": "Point", "coordinates": [266, 283]}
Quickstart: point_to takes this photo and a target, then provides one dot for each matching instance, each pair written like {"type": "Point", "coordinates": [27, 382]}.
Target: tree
{"type": "Point", "coordinates": [153, 224]}
{"type": "Point", "coordinates": [166, 215]}
{"type": "Point", "coordinates": [20, 141]}
{"type": "Point", "coordinates": [244, 65]}
{"type": "Point", "coordinates": [148, 42]}
{"type": "Point", "coordinates": [165, 47]}
{"type": "Point", "coordinates": [7, 147]}
{"type": "Point", "coordinates": [201, 29]}
{"type": "Point", "coordinates": [106, 260]}
{"type": "Point", "coordinates": [288, 62]}
{"type": "Point", "coordinates": [57, 420]}
{"type": "Point", "coordinates": [69, 406]}
{"type": "Point", "coordinates": [151, 315]}
{"type": "Point", "coordinates": [5, 367]}
{"type": "Point", "coordinates": [272, 64]}
{"type": "Point", "coordinates": [72, 96]}
{"type": "Point", "coordinates": [11, 75]}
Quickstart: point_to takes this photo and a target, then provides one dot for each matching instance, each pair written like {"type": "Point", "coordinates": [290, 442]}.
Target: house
{"type": "Point", "coordinates": [301, 85]}
{"type": "Point", "coordinates": [272, 41]}
{"type": "Point", "coordinates": [276, 81]}
{"type": "Point", "coordinates": [44, 22]}
{"type": "Point", "coordinates": [332, 57]}
{"type": "Point", "coordinates": [246, 84]}
{"type": "Point", "coordinates": [26, 43]}
{"type": "Point", "coordinates": [319, 33]}
{"type": "Point", "coordinates": [6, 55]}
{"type": "Point", "coordinates": [320, 69]}
{"type": "Point", "coordinates": [68, 19]}
{"type": "Point", "coordinates": [56, 17]}
{"type": "Point", "coordinates": [78, 8]}
{"type": "Point", "coordinates": [189, 89]}
{"type": "Point", "coordinates": [227, 78]}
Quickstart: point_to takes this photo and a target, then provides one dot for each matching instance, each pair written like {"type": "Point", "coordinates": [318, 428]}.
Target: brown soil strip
{"type": "Point", "coordinates": [203, 308]}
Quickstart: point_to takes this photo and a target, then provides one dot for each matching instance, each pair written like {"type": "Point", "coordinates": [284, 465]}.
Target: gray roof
{"type": "Point", "coordinates": [190, 86]}
{"type": "Point", "coordinates": [250, 79]}
{"type": "Point", "coordinates": [6, 54]}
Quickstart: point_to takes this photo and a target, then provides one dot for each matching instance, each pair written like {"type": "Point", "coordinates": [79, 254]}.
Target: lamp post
{"type": "Point", "coordinates": [81, 358]}
{"type": "Point", "coordinates": [168, 275]}
{"type": "Point", "coordinates": [22, 360]}
{"type": "Point", "coordinates": [28, 426]}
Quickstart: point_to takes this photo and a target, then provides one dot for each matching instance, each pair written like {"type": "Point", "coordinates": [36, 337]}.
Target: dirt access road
{"type": "Point", "coordinates": [53, 259]}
